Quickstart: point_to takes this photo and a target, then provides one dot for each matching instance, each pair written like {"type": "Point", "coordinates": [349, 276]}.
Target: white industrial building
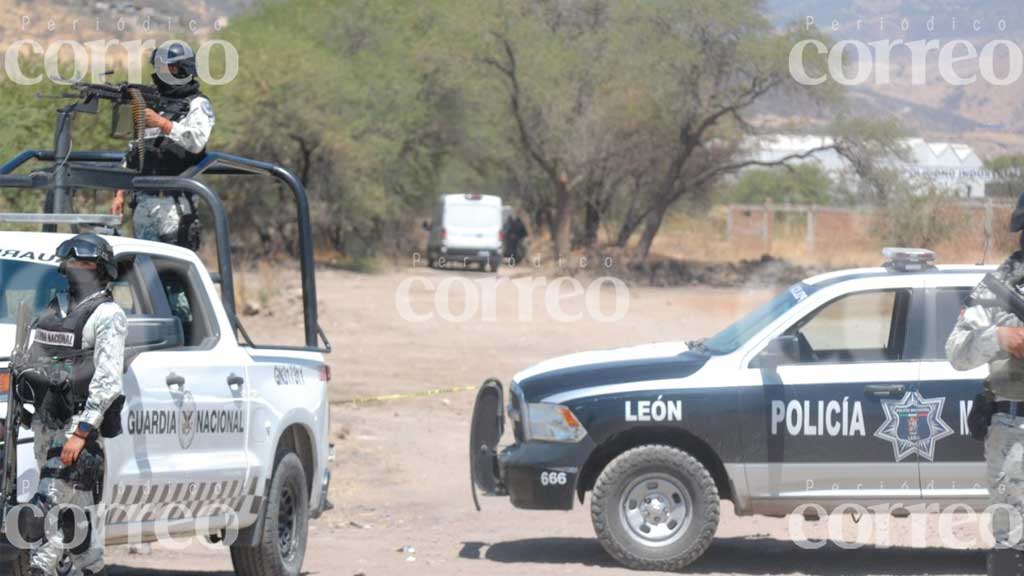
{"type": "Point", "coordinates": [948, 166]}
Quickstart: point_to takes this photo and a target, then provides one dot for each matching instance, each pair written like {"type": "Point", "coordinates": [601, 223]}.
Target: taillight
{"type": "Point", "coordinates": [444, 234]}
{"type": "Point", "coordinates": [325, 373]}
{"type": "Point", "coordinates": [501, 235]}
{"type": "Point", "coordinates": [5, 382]}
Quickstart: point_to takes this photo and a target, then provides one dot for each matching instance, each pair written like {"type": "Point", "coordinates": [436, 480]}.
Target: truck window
{"type": "Point", "coordinates": [39, 283]}
{"type": "Point", "coordinates": [859, 327]}
{"type": "Point", "coordinates": [187, 301]}
{"type": "Point", "coordinates": [472, 216]}
{"type": "Point", "coordinates": [939, 324]}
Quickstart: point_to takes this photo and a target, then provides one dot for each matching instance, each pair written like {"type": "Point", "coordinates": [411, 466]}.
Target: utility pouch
{"type": "Point", "coordinates": [111, 425]}
{"type": "Point", "coordinates": [85, 473]}
{"type": "Point", "coordinates": [980, 416]}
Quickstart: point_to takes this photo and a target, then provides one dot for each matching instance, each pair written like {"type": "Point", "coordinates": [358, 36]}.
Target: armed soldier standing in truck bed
{"type": "Point", "coordinates": [72, 375]}
{"type": "Point", "coordinates": [175, 140]}
{"type": "Point", "coordinates": [989, 332]}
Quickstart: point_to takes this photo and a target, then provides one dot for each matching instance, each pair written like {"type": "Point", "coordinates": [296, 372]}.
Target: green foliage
{"type": "Point", "coordinates": [799, 184]}
{"type": "Point", "coordinates": [379, 106]}
{"type": "Point", "coordinates": [1008, 176]}
{"type": "Point", "coordinates": [29, 118]}
{"type": "Point", "coordinates": [917, 220]}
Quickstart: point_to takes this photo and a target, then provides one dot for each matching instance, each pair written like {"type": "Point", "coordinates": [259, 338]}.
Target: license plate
{"type": "Point", "coordinates": [483, 253]}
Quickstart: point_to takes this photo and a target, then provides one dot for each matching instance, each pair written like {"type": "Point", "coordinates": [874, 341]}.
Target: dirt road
{"type": "Point", "coordinates": [402, 480]}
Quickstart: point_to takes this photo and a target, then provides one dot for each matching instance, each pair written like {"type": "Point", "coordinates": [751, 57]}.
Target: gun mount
{"type": "Point", "coordinates": [104, 170]}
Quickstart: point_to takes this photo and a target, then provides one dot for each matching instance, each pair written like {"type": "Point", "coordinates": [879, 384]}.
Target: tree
{"type": "Point", "coordinates": [714, 61]}
{"type": "Point", "coordinates": [565, 99]}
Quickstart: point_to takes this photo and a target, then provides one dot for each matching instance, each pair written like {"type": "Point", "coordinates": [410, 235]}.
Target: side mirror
{"type": "Point", "coordinates": [426, 226]}
{"type": "Point", "coordinates": [780, 350]}
{"type": "Point", "coordinates": [146, 333]}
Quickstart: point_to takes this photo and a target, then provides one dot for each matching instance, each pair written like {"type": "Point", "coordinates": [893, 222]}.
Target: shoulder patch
{"type": "Point", "coordinates": [208, 108]}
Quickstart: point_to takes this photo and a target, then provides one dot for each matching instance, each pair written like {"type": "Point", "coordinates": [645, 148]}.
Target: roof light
{"type": "Point", "coordinates": [908, 259]}
{"type": "Point", "coordinates": [473, 196]}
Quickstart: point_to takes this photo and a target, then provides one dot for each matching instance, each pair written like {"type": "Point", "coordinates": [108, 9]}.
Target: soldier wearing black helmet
{"type": "Point", "coordinates": [988, 333]}
{"type": "Point", "coordinates": [72, 376]}
{"type": "Point", "coordinates": [175, 140]}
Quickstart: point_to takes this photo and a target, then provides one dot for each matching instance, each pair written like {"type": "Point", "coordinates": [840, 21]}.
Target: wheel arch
{"type": "Point", "coordinates": [647, 435]}
{"type": "Point", "coordinates": [298, 438]}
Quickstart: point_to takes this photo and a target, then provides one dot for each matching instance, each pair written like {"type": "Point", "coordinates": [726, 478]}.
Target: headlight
{"type": "Point", "coordinates": [553, 423]}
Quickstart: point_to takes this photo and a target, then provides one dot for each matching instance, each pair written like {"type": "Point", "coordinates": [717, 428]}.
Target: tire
{"type": "Point", "coordinates": [662, 484]}
{"type": "Point", "coordinates": [281, 550]}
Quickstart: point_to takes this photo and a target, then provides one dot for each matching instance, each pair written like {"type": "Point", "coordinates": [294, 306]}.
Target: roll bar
{"type": "Point", "coordinates": [103, 170]}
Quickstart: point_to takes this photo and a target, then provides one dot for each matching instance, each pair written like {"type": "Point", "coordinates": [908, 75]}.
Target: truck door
{"type": "Point", "coordinates": [188, 425]}
{"type": "Point", "coordinates": [956, 470]}
{"type": "Point", "coordinates": [837, 413]}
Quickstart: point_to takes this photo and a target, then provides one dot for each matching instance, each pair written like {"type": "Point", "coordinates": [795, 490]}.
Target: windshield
{"type": "Point", "coordinates": [36, 283]}
{"type": "Point", "coordinates": [745, 328]}
{"type": "Point", "coordinates": [472, 216]}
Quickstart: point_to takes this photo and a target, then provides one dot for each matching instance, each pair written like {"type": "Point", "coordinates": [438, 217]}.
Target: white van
{"type": "Point", "coordinates": [466, 228]}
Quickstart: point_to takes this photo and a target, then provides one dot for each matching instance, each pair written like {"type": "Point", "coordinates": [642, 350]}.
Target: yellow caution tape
{"type": "Point", "coordinates": [420, 394]}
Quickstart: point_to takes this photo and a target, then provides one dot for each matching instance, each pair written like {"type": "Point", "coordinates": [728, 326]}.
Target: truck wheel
{"type": "Point", "coordinates": [282, 546]}
{"type": "Point", "coordinates": [655, 508]}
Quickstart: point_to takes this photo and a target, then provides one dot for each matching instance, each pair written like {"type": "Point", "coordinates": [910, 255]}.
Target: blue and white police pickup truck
{"type": "Point", "coordinates": [220, 439]}
{"type": "Point", "coordinates": [836, 391]}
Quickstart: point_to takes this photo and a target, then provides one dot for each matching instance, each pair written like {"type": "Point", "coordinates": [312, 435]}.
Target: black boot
{"type": "Point", "coordinates": [1005, 562]}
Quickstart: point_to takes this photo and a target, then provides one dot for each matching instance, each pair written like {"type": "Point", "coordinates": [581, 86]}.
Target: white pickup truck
{"type": "Point", "coordinates": [218, 435]}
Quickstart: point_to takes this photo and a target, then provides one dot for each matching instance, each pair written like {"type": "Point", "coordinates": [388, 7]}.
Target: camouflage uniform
{"type": "Point", "coordinates": [157, 218]}
{"type": "Point", "coordinates": [104, 333]}
{"type": "Point", "coordinates": [972, 343]}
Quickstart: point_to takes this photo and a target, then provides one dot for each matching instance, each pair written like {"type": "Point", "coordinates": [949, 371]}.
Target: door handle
{"type": "Point", "coordinates": [235, 381]}
{"type": "Point", "coordinates": [884, 390]}
{"type": "Point", "coordinates": [175, 381]}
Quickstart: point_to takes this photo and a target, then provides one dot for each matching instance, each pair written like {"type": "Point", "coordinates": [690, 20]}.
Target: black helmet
{"type": "Point", "coordinates": [1017, 220]}
{"type": "Point", "coordinates": [176, 53]}
{"type": "Point", "coordinates": [92, 248]}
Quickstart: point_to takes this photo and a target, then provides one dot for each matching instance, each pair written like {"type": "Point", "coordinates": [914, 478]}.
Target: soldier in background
{"type": "Point", "coordinates": [175, 140]}
{"type": "Point", "coordinates": [988, 333]}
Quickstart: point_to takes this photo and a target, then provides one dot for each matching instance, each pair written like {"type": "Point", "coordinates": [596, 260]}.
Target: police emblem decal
{"type": "Point", "coordinates": [913, 425]}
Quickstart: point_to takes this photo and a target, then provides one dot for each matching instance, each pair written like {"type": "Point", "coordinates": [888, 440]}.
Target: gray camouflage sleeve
{"type": "Point", "coordinates": [107, 383]}
{"type": "Point", "coordinates": [973, 341]}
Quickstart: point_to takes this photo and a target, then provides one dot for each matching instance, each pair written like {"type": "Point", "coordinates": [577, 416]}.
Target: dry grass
{"type": "Point", "coordinates": [841, 240]}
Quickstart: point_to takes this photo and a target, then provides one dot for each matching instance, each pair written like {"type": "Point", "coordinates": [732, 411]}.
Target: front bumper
{"type": "Point", "coordinates": [534, 475]}
{"type": "Point", "coordinates": [543, 475]}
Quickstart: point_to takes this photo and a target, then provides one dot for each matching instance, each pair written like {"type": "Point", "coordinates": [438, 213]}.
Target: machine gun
{"type": "Point", "coordinates": [129, 122]}
{"type": "Point", "coordinates": [1006, 296]}
{"type": "Point", "coordinates": [9, 479]}
{"type": "Point", "coordinates": [130, 103]}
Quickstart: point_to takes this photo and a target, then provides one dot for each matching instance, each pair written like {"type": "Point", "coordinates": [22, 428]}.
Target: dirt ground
{"type": "Point", "coordinates": [401, 480]}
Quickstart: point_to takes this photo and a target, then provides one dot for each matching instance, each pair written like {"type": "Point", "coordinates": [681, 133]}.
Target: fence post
{"type": "Point", "coordinates": [811, 217]}
{"type": "Point", "coordinates": [988, 230]}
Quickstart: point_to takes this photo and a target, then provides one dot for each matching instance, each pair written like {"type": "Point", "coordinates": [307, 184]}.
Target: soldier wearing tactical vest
{"type": "Point", "coordinates": [175, 140]}
{"type": "Point", "coordinates": [72, 376]}
{"type": "Point", "coordinates": [989, 333]}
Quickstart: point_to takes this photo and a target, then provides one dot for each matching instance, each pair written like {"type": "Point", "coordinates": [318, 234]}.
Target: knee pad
{"type": "Point", "coordinates": [70, 531]}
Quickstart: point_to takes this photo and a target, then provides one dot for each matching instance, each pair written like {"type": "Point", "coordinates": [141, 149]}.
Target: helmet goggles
{"type": "Point", "coordinates": [78, 249]}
